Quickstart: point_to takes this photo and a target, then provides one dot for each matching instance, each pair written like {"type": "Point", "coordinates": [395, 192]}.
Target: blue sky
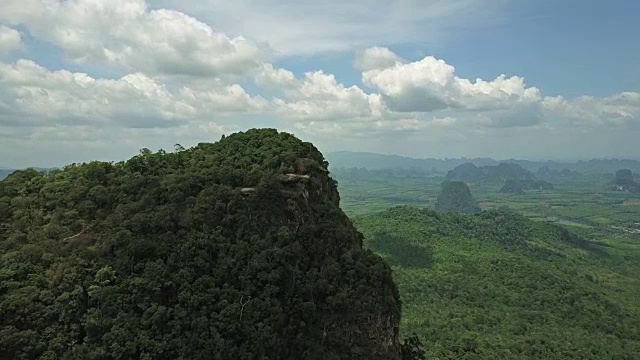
{"type": "Point", "coordinates": [84, 79]}
{"type": "Point", "coordinates": [566, 47]}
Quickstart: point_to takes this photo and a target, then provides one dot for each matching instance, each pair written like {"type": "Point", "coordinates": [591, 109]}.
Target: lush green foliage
{"type": "Point", "coordinates": [455, 196]}
{"type": "Point", "coordinates": [499, 286]}
{"type": "Point", "coordinates": [231, 250]}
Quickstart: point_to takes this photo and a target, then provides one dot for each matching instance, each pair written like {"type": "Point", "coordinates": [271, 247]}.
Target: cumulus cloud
{"type": "Point", "coordinates": [430, 84]}
{"type": "Point", "coordinates": [375, 58]}
{"type": "Point", "coordinates": [319, 96]}
{"type": "Point", "coordinates": [10, 39]}
{"type": "Point", "coordinates": [32, 96]}
{"type": "Point", "coordinates": [179, 77]}
{"type": "Point", "coordinates": [129, 35]}
{"type": "Point", "coordinates": [617, 110]}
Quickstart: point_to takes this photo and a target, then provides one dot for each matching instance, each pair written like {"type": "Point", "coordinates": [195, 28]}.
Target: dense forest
{"type": "Point", "coordinates": [229, 250]}
{"type": "Point", "coordinates": [497, 285]}
{"type": "Point", "coordinates": [239, 250]}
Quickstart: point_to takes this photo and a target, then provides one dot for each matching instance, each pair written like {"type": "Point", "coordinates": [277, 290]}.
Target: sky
{"type": "Point", "coordinates": [84, 80]}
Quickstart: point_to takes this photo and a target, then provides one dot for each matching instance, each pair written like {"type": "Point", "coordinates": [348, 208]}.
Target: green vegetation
{"type": "Point", "coordinates": [588, 200]}
{"type": "Point", "coordinates": [499, 286]}
{"type": "Point", "coordinates": [239, 250]}
{"type": "Point", "coordinates": [231, 250]}
{"type": "Point", "coordinates": [456, 197]}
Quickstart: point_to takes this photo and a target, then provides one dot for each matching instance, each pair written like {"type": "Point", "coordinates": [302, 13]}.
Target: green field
{"type": "Point", "coordinates": [510, 286]}
{"type": "Point", "coordinates": [587, 202]}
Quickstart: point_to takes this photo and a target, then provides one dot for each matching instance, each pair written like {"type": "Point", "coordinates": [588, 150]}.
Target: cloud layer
{"type": "Point", "coordinates": [181, 77]}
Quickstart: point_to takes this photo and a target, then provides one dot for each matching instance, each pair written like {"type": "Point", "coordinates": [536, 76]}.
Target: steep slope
{"type": "Point", "coordinates": [231, 250]}
{"type": "Point", "coordinates": [499, 286]}
{"type": "Point", "coordinates": [455, 196]}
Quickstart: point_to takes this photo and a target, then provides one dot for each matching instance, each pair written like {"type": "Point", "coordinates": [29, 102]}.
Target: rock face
{"type": "Point", "coordinates": [231, 250]}
{"type": "Point", "coordinates": [455, 196]}
{"type": "Point", "coordinates": [624, 181]}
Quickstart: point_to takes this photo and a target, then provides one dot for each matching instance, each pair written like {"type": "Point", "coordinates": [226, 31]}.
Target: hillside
{"type": "Point", "coordinates": [499, 286]}
{"type": "Point", "coordinates": [229, 250]}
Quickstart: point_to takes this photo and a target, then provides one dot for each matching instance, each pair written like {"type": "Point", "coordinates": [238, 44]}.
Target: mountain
{"type": "Point", "coordinates": [229, 250]}
{"type": "Point", "coordinates": [624, 181]}
{"type": "Point", "coordinates": [512, 187]}
{"type": "Point", "coordinates": [455, 196]}
{"type": "Point", "coordinates": [500, 286]}
{"type": "Point", "coordinates": [471, 173]}
{"type": "Point", "coordinates": [347, 159]}
{"type": "Point", "coordinates": [373, 161]}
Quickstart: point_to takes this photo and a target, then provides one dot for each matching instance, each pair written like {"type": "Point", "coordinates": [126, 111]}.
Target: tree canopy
{"type": "Point", "coordinates": [229, 250]}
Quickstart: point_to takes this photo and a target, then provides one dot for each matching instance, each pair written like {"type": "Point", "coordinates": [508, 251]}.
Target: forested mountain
{"type": "Point", "coordinates": [455, 196]}
{"type": "Point", "coordinates": [229, 250]}
{"type": "Point", "coordinates": [499, 286]}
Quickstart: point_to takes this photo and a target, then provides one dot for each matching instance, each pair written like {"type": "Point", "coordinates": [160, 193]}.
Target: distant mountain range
{"type": "Point", "coordinates": [373, 161]}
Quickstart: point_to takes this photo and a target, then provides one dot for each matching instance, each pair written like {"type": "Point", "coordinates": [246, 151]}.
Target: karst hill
{"type": "Point", "coordinates": [625, 181]}
{"type": "Point", "coordinates": [455, 196]}
{"type": "Point", "coordinates": [230, 250]}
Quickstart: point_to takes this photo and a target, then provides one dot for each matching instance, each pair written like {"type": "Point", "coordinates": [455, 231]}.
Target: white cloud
{"type": "Point", "coordinates": [126, 34]}
{"type": "Point", "coordinates": [588, 111]}
{"type": "Point", "coordinates": [318, 96]}
{"type": "Point", "coordinates": [10, 39]}
{"type": "Point", "coordinates": [32, 96]}
{"type": "Point", "coordinates": [430, 84]}
{"type": "Point", "coordinates": [311, 27]}
{"type": "Point", "coordinates": [187, 80]}
{"type": "Point", "coordinates": [375, 58]}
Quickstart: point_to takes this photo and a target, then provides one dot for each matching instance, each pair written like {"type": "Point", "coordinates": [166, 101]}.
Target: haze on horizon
{"type": "Point", "coordinates": [88, 80]}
